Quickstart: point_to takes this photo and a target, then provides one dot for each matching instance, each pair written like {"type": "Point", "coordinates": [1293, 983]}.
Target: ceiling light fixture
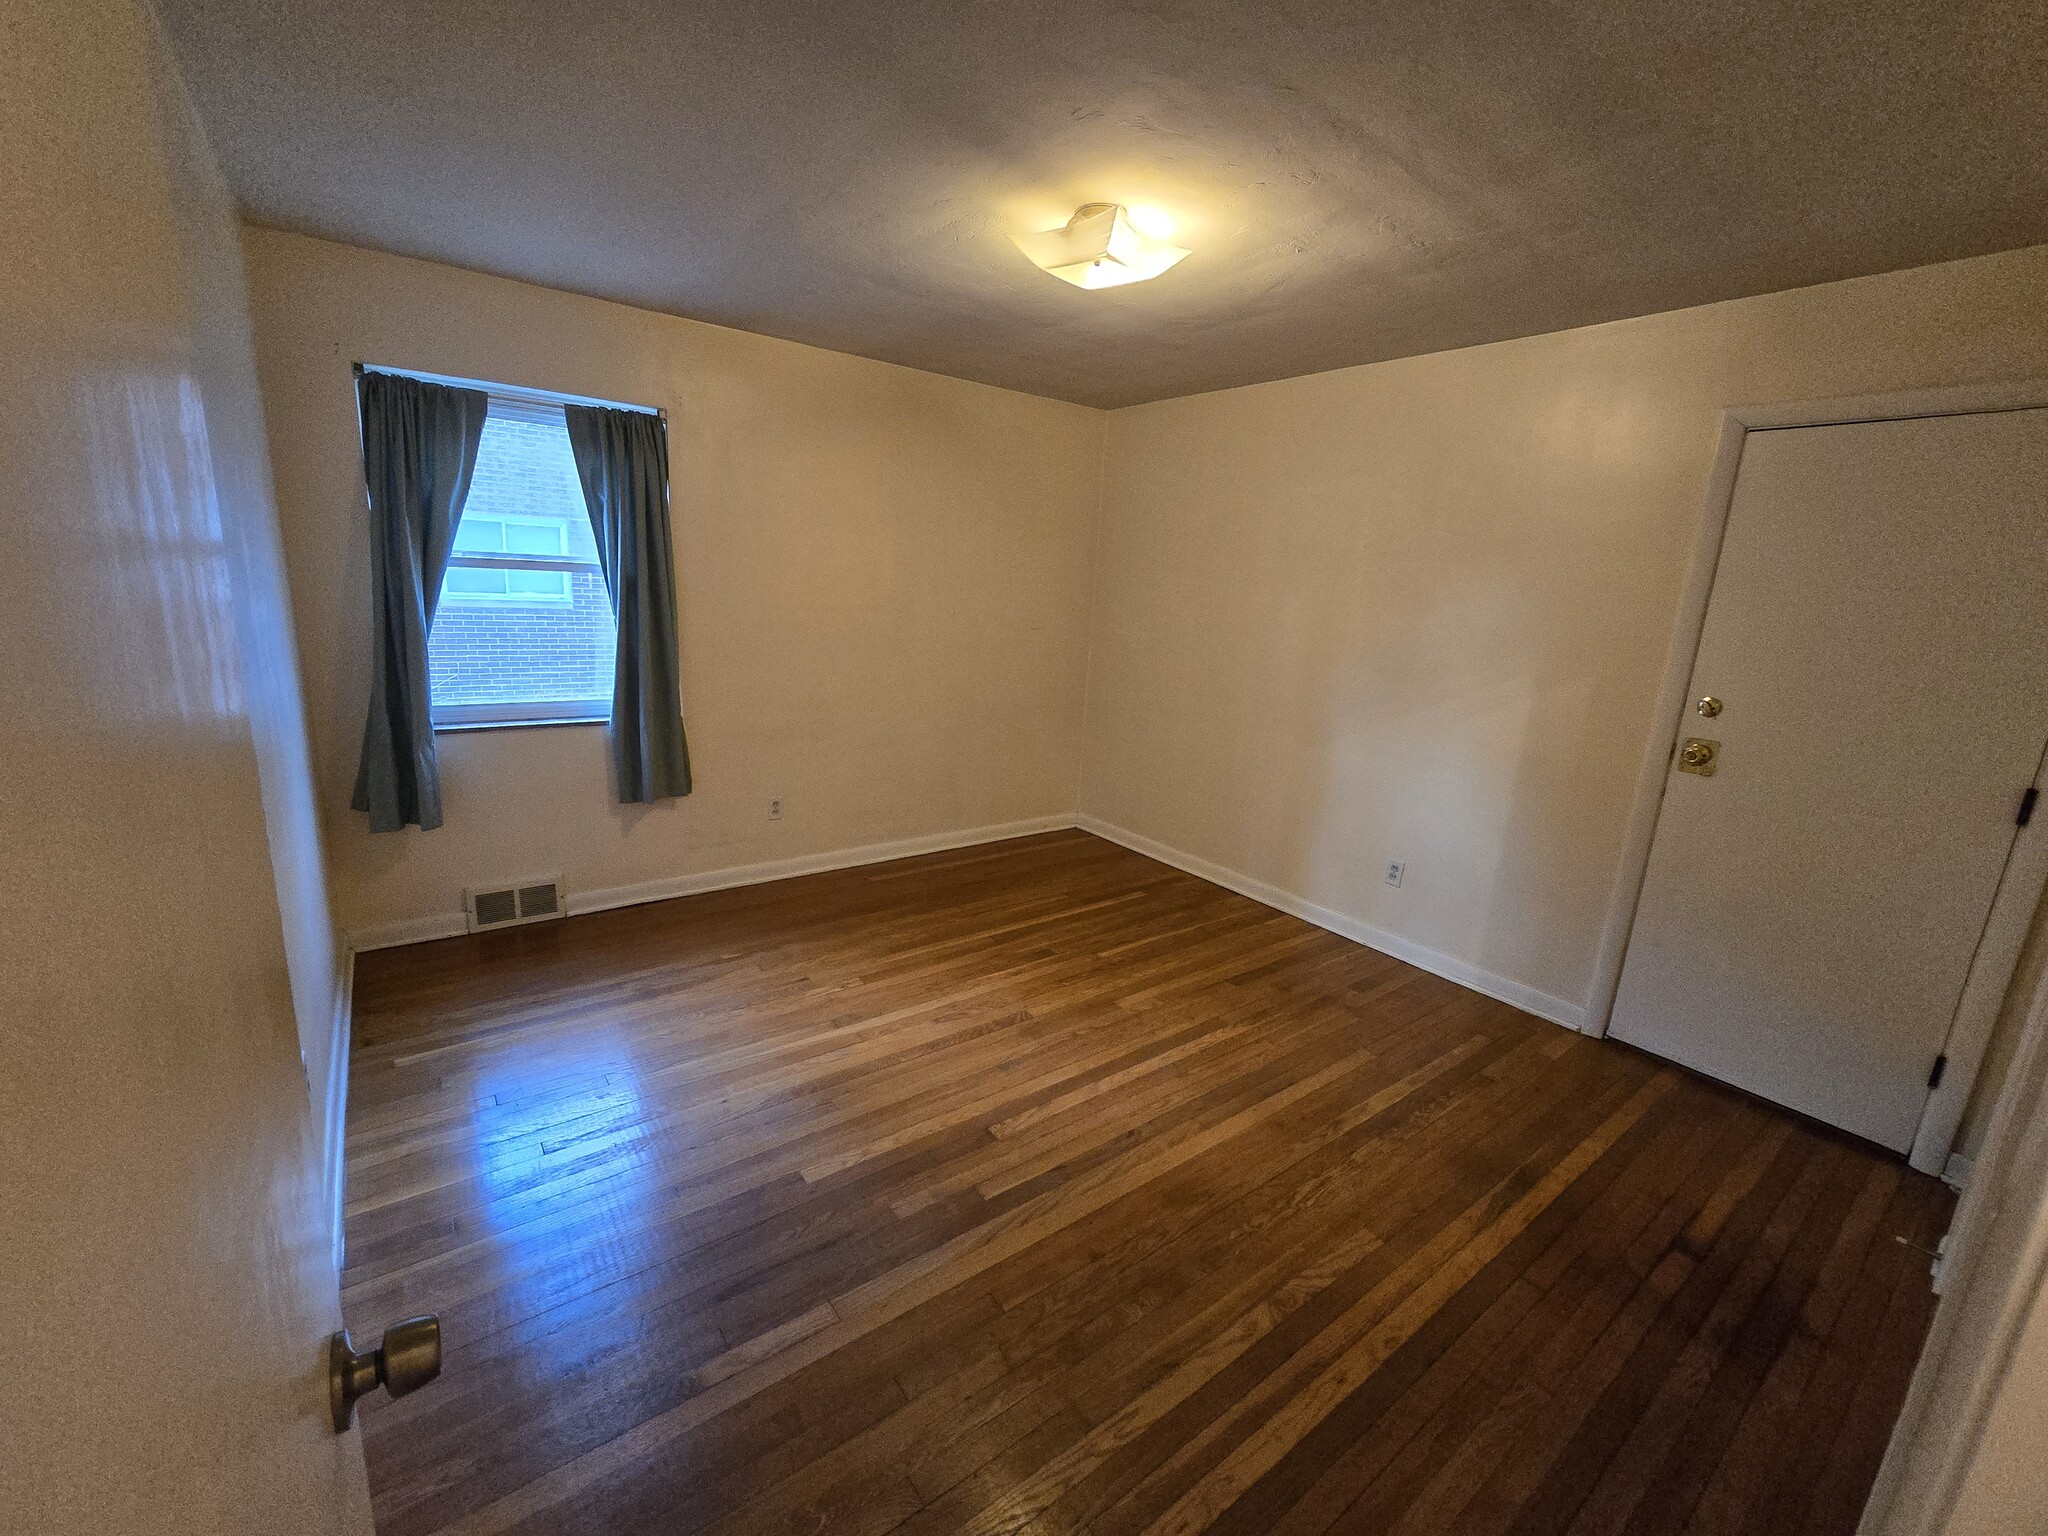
{"type": "Point", "coordinates": [1100, 248]}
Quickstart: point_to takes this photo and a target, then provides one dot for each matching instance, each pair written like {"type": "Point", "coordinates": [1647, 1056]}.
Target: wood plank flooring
{"type": "Point", "coordinates": [1038, 1187]}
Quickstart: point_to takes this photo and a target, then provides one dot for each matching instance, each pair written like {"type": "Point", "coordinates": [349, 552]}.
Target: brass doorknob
{"type": "Point", "coordinates": [405, 1359]}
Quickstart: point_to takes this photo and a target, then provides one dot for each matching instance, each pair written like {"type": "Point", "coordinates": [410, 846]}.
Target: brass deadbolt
{"type": "Point", "coordinates": [1697, 756]}
{"type": "Point", "coordinates": [1709, 706]}
{"type": "Point", "coordinates": [405, 1359]}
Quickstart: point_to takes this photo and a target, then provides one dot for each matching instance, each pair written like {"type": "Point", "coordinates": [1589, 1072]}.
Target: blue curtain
{"type": "Point", "coordinates": [622, 460]}
{"type": "Point", "coordinates": [419, 453]}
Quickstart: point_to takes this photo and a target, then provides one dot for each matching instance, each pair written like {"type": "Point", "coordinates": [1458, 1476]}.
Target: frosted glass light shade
{"type": "Point", "coordinates": [1100, 248]}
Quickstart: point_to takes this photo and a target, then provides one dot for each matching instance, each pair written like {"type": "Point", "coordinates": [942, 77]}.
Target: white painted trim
{"type": "Point", "coordinates": [334, 1132]}
{"type": "Point", "coordinates": [1970, 1032]}
{"type": "Point", "coordinates": [1956, 1172]}
{"type": "Point", "coordinates": [1465, 974]}
{"type": "Point", "coordinates": [1900, 405]}
{"type": "Point", "coordinates": [808, 864]}
{"type": "Point", "coordinates": [446, 925]}
{"type": "Point", "coordinates": [1993, 1276]}
{"type": "Point", "coordinates": [1992, 967]}
{"type": "Point", "coordinates": [1666, 721]}
{"type": "Point", "coordinates": [407, 930]}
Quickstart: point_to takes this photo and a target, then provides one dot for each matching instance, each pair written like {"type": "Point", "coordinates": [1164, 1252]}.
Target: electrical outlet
{"type": "Point", "coordinates": [1395, 870]}
{"type": "Point", "coordinates": [775, 808]}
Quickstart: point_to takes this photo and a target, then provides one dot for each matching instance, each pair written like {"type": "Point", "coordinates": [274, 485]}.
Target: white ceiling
{"type": "Point", "coordinates": [1358, 180]}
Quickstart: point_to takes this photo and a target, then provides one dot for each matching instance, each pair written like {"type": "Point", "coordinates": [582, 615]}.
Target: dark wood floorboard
{"type": "Point", "coordinates": [1038, 1187]}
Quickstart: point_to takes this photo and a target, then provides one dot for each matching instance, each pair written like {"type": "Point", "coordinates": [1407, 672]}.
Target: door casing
{"type": "Point", "coordinates": [2026, 874]}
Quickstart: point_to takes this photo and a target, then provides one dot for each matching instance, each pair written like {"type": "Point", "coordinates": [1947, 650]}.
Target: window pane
{"type": "Point", "coordinates": [553, 584]}
{"type": "Point", "coordinates": [465, 581]}
{"type": "Point", "coordinates": [511, 636]}
{"type": "Point", "coordinates": [535, 539]}
{"type": "Point", "coordinates": [476, 535]}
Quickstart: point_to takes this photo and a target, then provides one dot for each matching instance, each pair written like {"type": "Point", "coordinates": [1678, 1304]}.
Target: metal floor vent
{"type": "Point", "coordinates": [504, 906]}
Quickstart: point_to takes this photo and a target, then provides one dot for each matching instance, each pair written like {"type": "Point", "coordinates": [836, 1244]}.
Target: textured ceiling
{"type": "Point", "coordinates": [1358, 180]}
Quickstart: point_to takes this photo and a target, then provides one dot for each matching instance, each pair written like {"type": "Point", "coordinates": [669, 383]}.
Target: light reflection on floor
{"type": "Point", "coordinates": [557, 1140]}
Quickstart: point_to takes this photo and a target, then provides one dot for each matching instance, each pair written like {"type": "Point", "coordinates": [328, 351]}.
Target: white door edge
{"type": "Point", "coordinates": [1990, 978]}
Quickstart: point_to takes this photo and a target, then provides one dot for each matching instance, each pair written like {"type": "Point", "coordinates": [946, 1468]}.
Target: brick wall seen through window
{"type": "Point", "coordinates": [504, 637]}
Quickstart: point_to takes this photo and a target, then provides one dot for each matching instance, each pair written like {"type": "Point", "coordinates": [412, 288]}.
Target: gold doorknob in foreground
{"type": "Point", "coordinates": [405, 1359]}
{"type": "Point", "coordinates": [1697, 756]}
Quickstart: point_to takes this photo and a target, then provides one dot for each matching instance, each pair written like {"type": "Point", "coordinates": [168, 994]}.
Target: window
{"type": "Point", "coordinates": [523, 537]}
{"type": "Point", "coordinates": [524, 630]}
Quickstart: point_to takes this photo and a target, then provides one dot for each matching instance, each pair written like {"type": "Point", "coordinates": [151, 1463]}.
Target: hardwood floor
{"type": "Point", "coordinates": [1039, 1187]}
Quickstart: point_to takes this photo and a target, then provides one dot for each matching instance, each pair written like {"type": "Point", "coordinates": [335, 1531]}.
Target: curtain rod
{"type": "Point", "coordinates": [510, 391]}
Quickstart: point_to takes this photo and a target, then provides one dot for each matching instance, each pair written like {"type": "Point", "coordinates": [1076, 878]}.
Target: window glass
{"type": "Point", "coordinates": [464, 582]}
{"type": "Point", "coordinates": [477, 534]}
{"type": "Point", "coordinates": [513, 640]}
{"type": "Point", "coordinates": [525, 538]}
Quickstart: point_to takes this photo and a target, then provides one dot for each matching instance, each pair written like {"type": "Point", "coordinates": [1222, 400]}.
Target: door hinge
{"type": "Point", "coordinates": [2027, 806]}
{"type": "Point", "coordinates": [1934, 1077]}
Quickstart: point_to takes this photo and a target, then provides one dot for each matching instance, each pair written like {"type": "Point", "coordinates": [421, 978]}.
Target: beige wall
{"type": "Point", "coordinates": [1420, 610]}
{"type": "Point", "coordinates": [883, 580]}
{"type": "Point", "coordinates": [1415, 611]}
{"type": "Point", "coordinates": [165, 1277]}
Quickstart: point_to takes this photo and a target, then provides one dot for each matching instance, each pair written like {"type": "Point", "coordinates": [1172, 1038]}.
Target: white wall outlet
{"type": "Point", "coordinates": [775, 808]}
{"type": "Point", "coordinates": [1395, 870]}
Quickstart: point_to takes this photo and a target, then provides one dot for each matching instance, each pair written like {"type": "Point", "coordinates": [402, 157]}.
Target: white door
{"type": "Point", "coordinates": [167, 1282]}
{"type": "Point", "coordinates": [1878, 640]}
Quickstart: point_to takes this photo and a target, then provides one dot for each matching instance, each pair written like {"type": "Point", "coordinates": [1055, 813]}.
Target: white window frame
{"type": "Point", "coordinates": [525, 406]}
{"type": "Point", "coordinates": [479, 717]}
{"type": "Point", "coordinates": [506, 562]}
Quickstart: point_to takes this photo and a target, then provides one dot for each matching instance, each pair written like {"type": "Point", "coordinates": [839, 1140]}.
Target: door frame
{"type": "Point", "coordinates": [2026, 872]}
{"type": "Point", "coordinates": [1990, 1279]}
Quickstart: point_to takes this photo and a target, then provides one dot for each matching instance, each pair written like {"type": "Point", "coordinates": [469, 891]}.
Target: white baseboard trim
{"type": "Point", "coordinates": [1514, 993]}
{"type": "Point", "coordinates": [807, 864]}
{"type": "Point", "coordinates": [407, 930]}
{"type": "Point", "coordinates": [418, 930]}
{"type": "Point", "coordinates": [334, 1133]}
{"type": "Point", "coordinates": [1956, 1172]}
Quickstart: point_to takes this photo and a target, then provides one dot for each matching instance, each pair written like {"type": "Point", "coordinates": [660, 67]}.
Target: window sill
{"type": "Point", "coordinates": [462, 727]}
